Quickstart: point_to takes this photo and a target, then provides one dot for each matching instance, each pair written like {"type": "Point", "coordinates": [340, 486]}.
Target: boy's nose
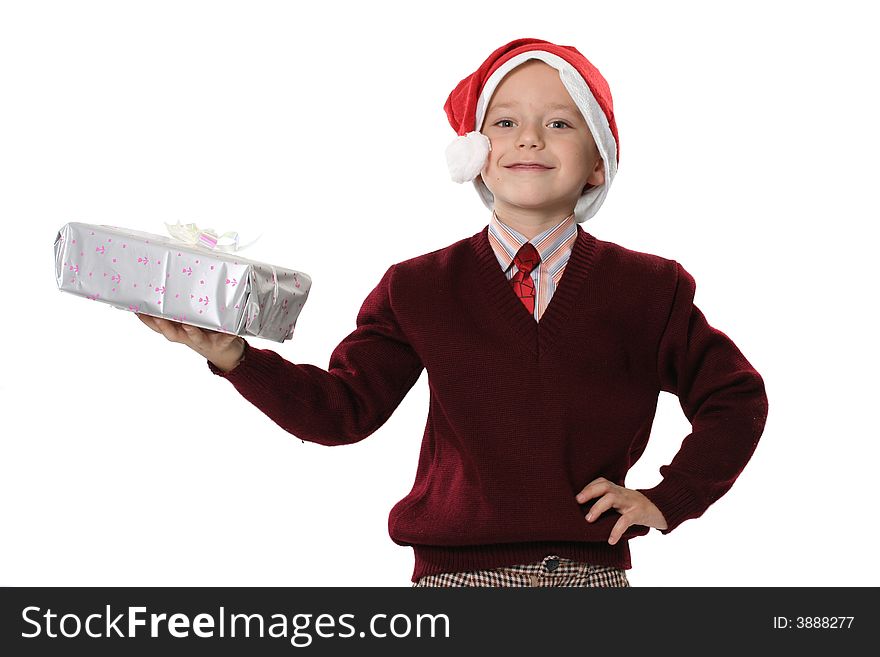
{"type": "Point", "coordinates": [528, 138]}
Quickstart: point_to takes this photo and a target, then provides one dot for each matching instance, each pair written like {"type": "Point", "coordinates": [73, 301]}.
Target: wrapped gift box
{"type": "Point", "coordinates": [189, 283]}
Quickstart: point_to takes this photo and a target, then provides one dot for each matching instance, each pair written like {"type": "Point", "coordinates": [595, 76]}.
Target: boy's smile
{"type": "Point", "coordinates": [528, 166]}
{"type": "Point", "coordinates": [543, 155]}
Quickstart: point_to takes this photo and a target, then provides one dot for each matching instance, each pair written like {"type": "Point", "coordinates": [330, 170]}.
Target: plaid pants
{"type": "Point", "coordinates": [552, 570]}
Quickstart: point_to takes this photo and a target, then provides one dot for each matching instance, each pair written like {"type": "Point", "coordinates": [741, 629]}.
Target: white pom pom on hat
{"type": "Point", "coordinates": [466, 106]}
{"type": "Point", "coordinates": [466, 156]}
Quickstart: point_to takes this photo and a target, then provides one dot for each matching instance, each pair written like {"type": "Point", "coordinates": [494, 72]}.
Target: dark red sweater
{"type": "Point", "coordinates": [524, 414]}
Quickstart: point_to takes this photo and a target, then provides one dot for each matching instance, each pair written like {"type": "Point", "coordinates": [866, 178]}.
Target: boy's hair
{"type": "Point", "coordinates": [466, 107]}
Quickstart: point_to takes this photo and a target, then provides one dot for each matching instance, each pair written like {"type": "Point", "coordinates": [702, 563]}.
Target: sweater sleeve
{"type": "Point", "coordinates": [369, 374]}
{"type": "Point", "coordinates": [722, 396]}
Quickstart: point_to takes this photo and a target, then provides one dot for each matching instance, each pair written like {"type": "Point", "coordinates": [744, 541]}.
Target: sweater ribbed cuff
{"type": "Point", "coordinates": [257, 369]}
{"type": "Point", "coordinates": [216, 370]}
{"type": "Point", "coordinates": [676, 502]}
{"type": "Point", "coordinates": [252, 368]}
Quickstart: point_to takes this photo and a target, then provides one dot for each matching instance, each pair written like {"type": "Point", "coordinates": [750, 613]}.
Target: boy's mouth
{"type": "Point", "coordinates": [521, 166]}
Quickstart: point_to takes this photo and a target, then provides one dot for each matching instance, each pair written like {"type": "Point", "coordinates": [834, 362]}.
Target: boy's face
{"type": "Point", "coordinates": [523, 124]}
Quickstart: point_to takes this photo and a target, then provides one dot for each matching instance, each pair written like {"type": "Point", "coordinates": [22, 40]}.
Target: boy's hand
{"type": "Point", "coordinates": [634, 508]}
{"type": "Point", "coordinates": [222, 349]}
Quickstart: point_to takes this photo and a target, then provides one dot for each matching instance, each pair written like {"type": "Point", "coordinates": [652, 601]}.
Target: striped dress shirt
{"type": "Point", "coordinates": [554, 245]}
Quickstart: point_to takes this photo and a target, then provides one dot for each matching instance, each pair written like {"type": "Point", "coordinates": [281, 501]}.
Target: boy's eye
{"type": "Point", "coordinates": [509, 121]}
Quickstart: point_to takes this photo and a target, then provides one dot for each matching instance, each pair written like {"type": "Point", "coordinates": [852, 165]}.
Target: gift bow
{"type": "Point", "coordinates": [192, 234]}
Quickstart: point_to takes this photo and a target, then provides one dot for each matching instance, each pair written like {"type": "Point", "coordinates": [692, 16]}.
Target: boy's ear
{"type": "Point", "coordinates": [596, 178]}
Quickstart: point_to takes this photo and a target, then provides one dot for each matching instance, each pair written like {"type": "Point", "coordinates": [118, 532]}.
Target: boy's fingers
{"type": "Point", "coordinates": [146, 319]}
{"type": "Point", "coordinates": [599, 507]}
{"type": "Point", "coordinates": [194, 333]}
{"type": "Point", "coordinates": [167, 328]}
{"type": "Point", "coordinates": [619, 528]}
{"type": "Point", "coordinates": [591, 490]}
{"type": "Point", "coordinates": [187, 334]}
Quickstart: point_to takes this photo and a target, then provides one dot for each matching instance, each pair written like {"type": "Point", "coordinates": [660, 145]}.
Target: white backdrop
{"type": "Point", "coordinates": [748, 142]}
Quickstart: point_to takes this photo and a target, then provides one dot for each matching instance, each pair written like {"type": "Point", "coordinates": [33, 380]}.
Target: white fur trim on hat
{"type": "Point", "coordinates": [466, 156]}
{"type": "Point", "coordinates": [588, 204]}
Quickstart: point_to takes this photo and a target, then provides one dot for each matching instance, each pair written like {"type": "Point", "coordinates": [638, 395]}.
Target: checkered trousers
{"type": "Point", "coordinates": [552, 570]}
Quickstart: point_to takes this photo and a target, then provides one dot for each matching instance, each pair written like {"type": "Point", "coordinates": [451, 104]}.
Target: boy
{"type": "Point", "coordinates": [543, 385]}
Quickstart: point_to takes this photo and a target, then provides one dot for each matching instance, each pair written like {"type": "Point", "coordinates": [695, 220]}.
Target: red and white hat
{"type": "Point", "coordinates": [466, 108]}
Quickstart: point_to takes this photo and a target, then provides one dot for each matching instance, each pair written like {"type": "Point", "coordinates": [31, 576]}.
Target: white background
{"type": "Point", "coordinates": [748, 153]}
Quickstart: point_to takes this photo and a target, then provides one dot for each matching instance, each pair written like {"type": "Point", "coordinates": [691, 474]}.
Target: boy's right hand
{"type": "Point", "coordinates": [223, 349]}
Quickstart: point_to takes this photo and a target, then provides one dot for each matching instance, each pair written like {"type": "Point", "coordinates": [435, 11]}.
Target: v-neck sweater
{"type": "Point", "coordinates": [553, 246]}
{"type": "Point", "coordinates": [524, 414]}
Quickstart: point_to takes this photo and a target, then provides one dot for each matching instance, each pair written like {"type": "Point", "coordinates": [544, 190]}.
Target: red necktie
{"type": "Point", "coordinates": [526, 259]}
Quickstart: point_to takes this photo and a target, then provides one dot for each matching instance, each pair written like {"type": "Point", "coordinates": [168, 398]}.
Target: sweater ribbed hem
{"type": "Point", "coordinates": [433, 559]}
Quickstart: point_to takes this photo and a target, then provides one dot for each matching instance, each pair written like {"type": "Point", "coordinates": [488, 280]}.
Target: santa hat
{"type": "Point", "coordinates": [466, 108]}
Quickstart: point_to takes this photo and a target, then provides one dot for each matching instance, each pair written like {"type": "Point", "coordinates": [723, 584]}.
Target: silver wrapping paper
{"type": "Point", "coordinates": [160, 276]}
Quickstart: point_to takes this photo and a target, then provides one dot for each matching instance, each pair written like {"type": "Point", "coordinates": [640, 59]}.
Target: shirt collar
{"type": "Point", "coordinates": [508, 241]}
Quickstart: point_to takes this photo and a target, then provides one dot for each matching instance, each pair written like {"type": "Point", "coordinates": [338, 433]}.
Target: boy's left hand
{"type": "Point", "coordinates": [634, 508]}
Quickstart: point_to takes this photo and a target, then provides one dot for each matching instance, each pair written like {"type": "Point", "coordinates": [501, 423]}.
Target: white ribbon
{"type": "Point", "coordinates": [207, 238]}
